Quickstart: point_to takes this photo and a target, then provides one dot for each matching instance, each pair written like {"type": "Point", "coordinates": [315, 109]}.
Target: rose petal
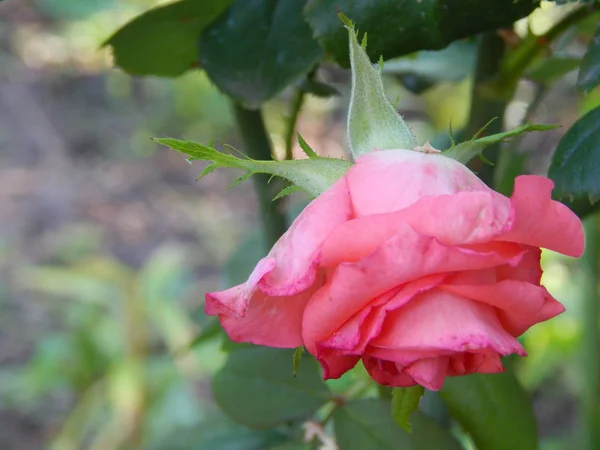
{"type": "Point", "coordinates": [522, 304]}
{"type": "Point", "coordinates": [401, 177]}
{"type": "Point", "coordinates": [441, 320]}
{"type": "Point", "coordinates": [387, 373]}
{"type": "Point", "coordinates": [354, 336]}
{"type": "Point", "coordinates": [541, 221]}
{"type": "Point", "coordinates": [272, 321]}
{"type": "Point", "coordinates": [429, 372]}
{"type": "Point", "coordinates": [235, 300]}
{"type": "Point", "coordinates": [405, 257]}
{"type": "Point", "coordinates": [297, 251]}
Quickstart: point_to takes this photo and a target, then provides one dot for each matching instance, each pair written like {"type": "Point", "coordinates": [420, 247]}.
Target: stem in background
{"type": "Point", "coordinates": [484, 104]}
{"type": "Point", "coordinates": [258, 146]}
{"type": "Point", "coordinates": [297, 102]}
{"type": "Point", "coordinates": [590, 393]}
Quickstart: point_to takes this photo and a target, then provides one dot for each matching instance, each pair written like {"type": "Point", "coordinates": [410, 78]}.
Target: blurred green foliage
{"type": "Point", "coordinates": [118, 352]}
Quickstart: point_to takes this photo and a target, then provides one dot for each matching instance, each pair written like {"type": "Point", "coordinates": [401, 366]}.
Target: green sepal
{"type": "Point", "coordinates": [404, 402]}
{"type": "Point", "coordinates": [373, 122]}
{"type": "Point", "coordinates": [313, 175]}
{"type": "Point", "coordinates": [465, 151]}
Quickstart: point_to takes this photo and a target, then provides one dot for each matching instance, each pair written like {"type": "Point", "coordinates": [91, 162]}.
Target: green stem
{"type": "Point", "coordinates": [258, 146]}
{"type": "Point", "coordinates": [486, 106]}
{"type": "Point", "coordinates": [590, 394]}
{"type": "Point", "coordinates": [532, 47]}
{"type": "Point", "coordinates": [297, 102]}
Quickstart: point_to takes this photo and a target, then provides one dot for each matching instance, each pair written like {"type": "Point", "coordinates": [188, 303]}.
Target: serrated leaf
{"type": "Point", "coordinates": [313, 175]}
{"type": "Point", "coordinates": [164, 40]}
{"type": "Point", "coordinates": [287, 191]}
{"type": "Point", "coordinates": [465, 151]}
{"type": "Point", "coordinates": [589, 72]}
{"type": "Point", "coordinates": [404, 402]}
{"type": "Point", "coordinates": [401, 27]}
{"type": "Point", "coordinates": [493, 409]}
{"type": "Point", "coordinates": [373, 122]}
{"type": "Point", "coordinates": [575, 167]}
{"type": "Point", "coordinates": [257, 48]}
{"type": "Point", "coordinates": [257, 388]}
{"type": "Point", "coordinates": [367, 424]}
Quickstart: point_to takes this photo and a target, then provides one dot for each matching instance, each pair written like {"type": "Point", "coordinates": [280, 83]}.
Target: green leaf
{"type": "Point", "coordinates": [589, 72]}
{"type": "Point", "coordinates": [465, 151]}
{"type": "Point", "coordinates": [493, 409]}
{"type": "Point", "coordinates": [404, 402]}
{"type": "Point", "coordinates": [552, 68]}
{"type": "Point", "coordinates": [367, 424]}
{"type": "Point", "coordinates": [401, 27]}
{"type": "Point", "coordinates": [314, 175]}
{"type": "Point", "coordinates": [258, 48]}
{"type": "Point", "coordinates": [256, 387]}
{"type": "Point", "coordinates": [373, 122]}
{"type": "Point", "coordinates": [453, 63]}
{"type": "Point", "coordinates": [221, 434]}
{"type": "Point", "coordinates": [164, 41]}
{"type": "Point", "coordinates": [575, 167]}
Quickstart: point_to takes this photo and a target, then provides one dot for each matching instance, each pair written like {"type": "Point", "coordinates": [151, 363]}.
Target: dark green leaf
{"type": "Point", "coordinates": [575, 166]}
{"type": "Point", "coordinates": [404, 402]}
{"type": "Point", "coordinates": [221, 434]}
{"type": "Point", "coordinates": [258, 48]}
{"type": "Point", "coordinates": [453, 63]}
{"type": "Point", "coordinates": [552, 68]}
{"type": "Point", "coordinates": [589, 72]}
{"type": "Point", "coordinates": [257, 388]}
{"type": "Point", "coordinates": [164, 40]}
{"type": "Point", "coordinates": [493, 409]}
{"type": "Point", "coordinates": [400, 27]}
{"type": "Point", "coordinates": [368, 425]}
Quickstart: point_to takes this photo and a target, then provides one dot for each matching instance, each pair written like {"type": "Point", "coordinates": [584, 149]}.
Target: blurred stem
{"type": "Point", "coordinates": [297, 102]}
{"type": "Point", "coordinates": [258, 146]}
{"type": "Point", "coordinates": [510, 163]}
{"type": "Point", "coordinates": [486, 106]}
{"type": "Point", "coordinates": [590, 395]}
{"type": "Point", "coordinates": [531, 48]}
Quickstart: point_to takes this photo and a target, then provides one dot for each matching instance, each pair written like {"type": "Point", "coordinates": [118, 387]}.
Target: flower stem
{"type": "Point", "coordinates": [258, 146]}
{"type": "Point", "coordinates": [297, 102]}
{"type": "Point", "coordinates": [484, 104]}
{"type": "Point", "coordinates": [590, 392]}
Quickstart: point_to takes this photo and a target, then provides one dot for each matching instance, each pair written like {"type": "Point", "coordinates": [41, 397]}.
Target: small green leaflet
{"type": "Point", "coordinates": [313, 175]}
{"type": "Point", "coordinates": [465, 151]}
{"type": "Point", "coordinates": [404, 402]}
{"type": "Point", "coordinates": [298, 353]}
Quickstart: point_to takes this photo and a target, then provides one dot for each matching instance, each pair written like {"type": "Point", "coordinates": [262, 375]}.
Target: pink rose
{"type": "Point", "coordinates": [410, 263]}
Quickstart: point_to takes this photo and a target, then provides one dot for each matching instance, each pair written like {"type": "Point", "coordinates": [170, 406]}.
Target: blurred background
{"type": "Point", "coordinates": [107, 243]}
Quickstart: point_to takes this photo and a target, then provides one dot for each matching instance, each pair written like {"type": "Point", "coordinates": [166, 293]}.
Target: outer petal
{"type": "Point", "coordinates": [462, 218]}
{"type": "Point", "coordinates": [297, 252]}
{"type": "Point", "coordinates": [400, 177]}
{"type": "Point", "coordinates": [521, 304]}
{"type": "Point", "coordinates": [541, 221]}
{"type": "Point", "coordinates": [438, 320]}
{"type": "Point", "coordinates": [270, 321]}
{"type": "Point", "coordinates": [405, 257]}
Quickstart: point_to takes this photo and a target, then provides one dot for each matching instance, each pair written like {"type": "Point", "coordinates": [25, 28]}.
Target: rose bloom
{"type": "Point", "coordinates": [411, 264]}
